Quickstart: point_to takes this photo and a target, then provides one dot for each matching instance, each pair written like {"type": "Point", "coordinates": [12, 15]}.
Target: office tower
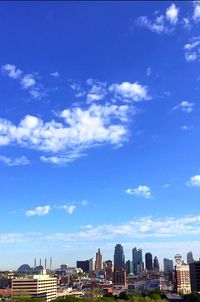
{"type": "Point", "coordinates": [168, 266]}
{"type": "Point", "coordinates": [156, 266]}
{"type": "Point", "coordinates": [37, 286]}
{"type": "Point", "coordinates": [148, 262]}
{"type": "Point", "coordinates": [98, 262]}
{"type": "Point", "coordinates": [195, 276]}
{"type": "Point", "coordinates": [119, 258]}
{"type": "Point", "coordinates": [119, 278]}
{"type": "Point", "coordinates": [129, 267]}
{"type": "Point", "coordinates": [137, 261]}
{"type": "Point", "coordinates": [108, 266]}
{"type": "Point", "coordinates": [84, 265]}
{"type": "Point", "coordinates": [190, 258]}
{"type": "Point", "coordinates": [182, 275]}
{"type": "Point", "coordinates": [63, 267]}
{"type": "Point", "coordinates": [91, 265]}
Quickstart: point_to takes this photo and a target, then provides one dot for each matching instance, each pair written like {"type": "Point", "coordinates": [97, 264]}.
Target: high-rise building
{"type": "Point", "coordinates": [91, 265]}
{"type": "Point", "coordinates": [108, 267]}
{"type": "Point", "coordinates": [182, 274]}
{"type": "Point", "coordinates": [98, 262]}
{"type": "Point", "coordinates": [129, 267]}
{"type": "Point", "coordinates": [35, 286]}
{"type": "Point", "coordinates": [195, 276]}
{"type": "Point", "coordinates": [119, 258]}
{"type": "Point", "coordinates": [84, 265]}
{"type": "Point", "coordinates": [190, 258]}
{"type": "Point", "coordinates": [148, 262]}
{"type": "Point", "coordinates": [168, 266]}
{"type": "Point", "coordinates": [137, 261]}
{"type": "Point", "coordinates": [119, 278]}
{"type": "Point", "coordinates": [156, 266]}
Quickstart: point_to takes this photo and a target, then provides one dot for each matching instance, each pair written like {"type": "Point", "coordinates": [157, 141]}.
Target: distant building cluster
{"type": "Point", "coordinates": [109, 276]}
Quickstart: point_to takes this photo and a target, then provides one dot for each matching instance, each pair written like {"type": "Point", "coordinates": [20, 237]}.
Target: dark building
{"type": "Point", "coordinates": [119, 258]}
{"type": "Point", "coordinates": [129, 267]}
{"type": "Point", "coordinates": [156, 266]}
{"type": "Point", "coordinates": [137, 261]}
{"type": "Point", "coordinates": [195, 276]}
{"type": "Point", "coordinates": [119, 277]}
{"type": "Point", "coordinates": [148, 262]}
{"type": "Point", "coordinates": [108, 267]}
{"type": "Point", "coordinates": [84, 265]}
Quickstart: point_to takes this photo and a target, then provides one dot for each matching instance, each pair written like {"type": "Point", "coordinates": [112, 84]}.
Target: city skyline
{"type": "Point", "coordinates": [99, 130]}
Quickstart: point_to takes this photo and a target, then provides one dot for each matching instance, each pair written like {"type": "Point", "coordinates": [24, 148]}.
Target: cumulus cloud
{"type": "Point", "coordinates": [55, 74]}
{"type": "Point", "coordinates": [69, 208]}
{"type": "Point", "coordinates": [27, 81]}
{"type": "Point", "coordinates": [130, 91]}
{"type": "Point", "coordinates": [196, 14]}
{"type": "Point", "coordinates": [142, 191]}
{"type": "Point", "coordinates": [163, 23]}
{"type": "Point", "coordinates": [97, 90]}
{"type": "Point", "coordinates": [192, 49]}
{"type": "Point", "coordinates": [79, 128]}
{"type": "Point", "coordinates": [184, 106]}
{"type": "Point", "coordinates": [39, 211]}
{"type": "Point", "coordinates": [84, 202]}
{"type": "Point", "coordinates": [20, 161]}
{"type": "Point", "coordinates": [194, 181]}
{"type": "Point", "coordinates": [11, 71]}
{"type": "Point", "coordinates": [172, 14]}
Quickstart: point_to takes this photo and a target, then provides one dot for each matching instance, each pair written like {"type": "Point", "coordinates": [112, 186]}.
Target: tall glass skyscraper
{"type": "Point", "coordinates": [148, 262]}
{"type": "Point", "coordinates": [137, 261]}
{"type": "Point", "coordinates": [119, 258]}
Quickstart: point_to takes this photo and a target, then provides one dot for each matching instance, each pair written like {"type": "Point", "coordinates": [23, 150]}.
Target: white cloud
{"type": "Point", "coordinates": [185, 128]}
{"type": "Point", "coordinates": [166, 185]}
{"type": "Point", "coordinates": [192, 49]}
{"type": "Point", "coordinates": [97, 90]}
{"type": "Point", "coordinates": [196, 14]}
{"type": "Point", "coordinates": [194, 181]}
{"type": "Point", "coordinates": [69, 208]}
{"type": "Point", "coordinates": [77, 130]}
{"type": "Point", "coordinates": [20, 161]}
{"type": "Point", "coordinates": [130, 91]}
{"type": "Point", "coordinates": [39, 211]}
{"type": "Point", "coordinates": [148, 72]}
{"type": "Point", "coordinates": [84, 202]}
{"type": "Point", "coordinates": [55, 74]}
{"type": "Point", "coordinates": [142, 191]}
{"type": "Point", "coordinates": [172, 14]}
{"type": "Point", "coordinates": [145, 227]}
{"type": "Point", "coordinates": [185, 106]}
{"type": "Point", "coordinates": [11, 70]}
{"type": "Point", "coordinates": [27, 81]}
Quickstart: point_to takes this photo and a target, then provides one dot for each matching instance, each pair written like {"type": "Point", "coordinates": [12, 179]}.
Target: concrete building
{"type": "Point", "coordinates": [182, 274]}
{"type": "Point", "coordinates": [195, 276]}
{"type": "Point", "coordinates": [35, 286]}
{"type": "Point", "coordinates": [98, 262]}
{"type": "Point", "coordinates": [119, 278]}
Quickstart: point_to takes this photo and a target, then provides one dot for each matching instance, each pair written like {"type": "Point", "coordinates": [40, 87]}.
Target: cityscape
{"type": "Point", "coordinates": [99, 151]}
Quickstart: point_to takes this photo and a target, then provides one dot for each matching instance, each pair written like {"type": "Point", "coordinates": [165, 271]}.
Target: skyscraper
{"type": "Point", "coordinates": [137, 261]}
{"type": "Point", "coordinates": [98, 262]}
{"type": "Point", "coordinates": [156, 266]}
{"type": "Point", "coordinates": [129, 267]}
{"type": "Point", "coordinates": [119, 258]}
{"type": "Point", "coordinates": [182, 274]}
{"type": "Point", "coordinates": [168, 265]}
{"type": "Point", "coordinates": [190, 258]}
{"type": "Point", "coordinates": [148, 262]}
{"type": "Point", "coordinates": [195, 276]}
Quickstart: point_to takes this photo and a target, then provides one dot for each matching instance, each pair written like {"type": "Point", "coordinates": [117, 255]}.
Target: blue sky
{"type": "Point", "coordinates": [99, 129]}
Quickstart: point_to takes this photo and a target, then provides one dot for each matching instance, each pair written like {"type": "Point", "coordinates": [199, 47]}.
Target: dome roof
{"type": "Point", "coordinates": [38, 269]}
{"type": "Point", "coordinates": [24, 268]}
